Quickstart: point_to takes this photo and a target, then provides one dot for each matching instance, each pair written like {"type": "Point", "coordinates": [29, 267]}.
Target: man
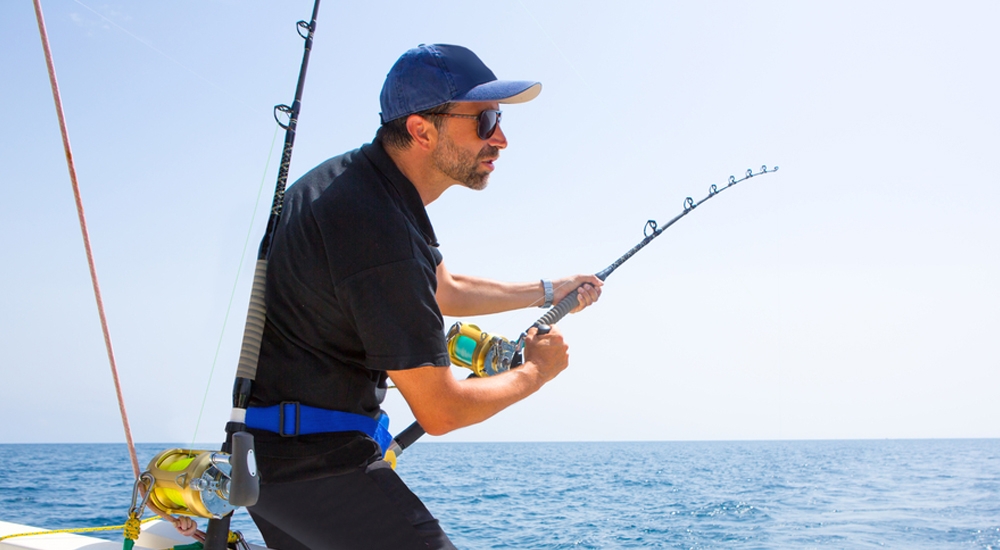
{"type": "Point", "coordinates": [355, 293]}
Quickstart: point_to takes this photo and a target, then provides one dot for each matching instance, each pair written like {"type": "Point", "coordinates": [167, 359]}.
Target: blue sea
{"type": "Point", "coordinates": [779, 494]}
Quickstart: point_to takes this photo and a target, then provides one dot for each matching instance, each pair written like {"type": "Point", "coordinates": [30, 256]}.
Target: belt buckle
{"type": "Point", "coordinates": [281, 419]}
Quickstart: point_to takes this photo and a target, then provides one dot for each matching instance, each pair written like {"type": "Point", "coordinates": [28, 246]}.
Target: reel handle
{"type": "Point", "coordinates": [244, 487]}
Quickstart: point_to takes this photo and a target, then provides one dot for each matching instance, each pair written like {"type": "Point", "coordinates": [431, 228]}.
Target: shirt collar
{"type": "Point", "coordinates": [404, 190]}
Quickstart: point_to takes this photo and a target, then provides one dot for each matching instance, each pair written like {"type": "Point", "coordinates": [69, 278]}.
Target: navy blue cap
{"type": "Point", "coordinates": [428, 76]}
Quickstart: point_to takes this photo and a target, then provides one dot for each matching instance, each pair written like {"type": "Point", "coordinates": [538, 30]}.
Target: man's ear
{"type": "Point", "coordinates": [423, 132]}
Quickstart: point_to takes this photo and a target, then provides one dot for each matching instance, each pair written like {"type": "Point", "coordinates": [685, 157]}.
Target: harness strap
{"type": "Point", "coordinates": [291, 418]}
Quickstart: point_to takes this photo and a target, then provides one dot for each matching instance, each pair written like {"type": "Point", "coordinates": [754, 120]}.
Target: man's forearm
{"type": "Point", "coordinates": [456, 404]}
{"type": "Point", "coordinates": [463, 295]}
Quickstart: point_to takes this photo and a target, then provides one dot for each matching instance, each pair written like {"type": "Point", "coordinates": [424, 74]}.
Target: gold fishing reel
{"type": "Point", "coordinates": [190, 483]}
{"type": "Point", "coordinates": [205, 484]}
{"type": "Point", "coordinates": [483, 353]}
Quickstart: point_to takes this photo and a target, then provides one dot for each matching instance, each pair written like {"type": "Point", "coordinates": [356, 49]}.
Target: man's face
{"type": "Point", "coordinates": [461, 154]}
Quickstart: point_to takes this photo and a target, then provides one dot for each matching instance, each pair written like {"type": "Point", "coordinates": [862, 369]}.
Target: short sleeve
{"type": "Point", "coordinates": [396, 315]}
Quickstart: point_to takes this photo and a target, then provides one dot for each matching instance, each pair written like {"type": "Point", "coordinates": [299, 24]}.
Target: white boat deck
{"type": "Point", "coordinates": [155, 535]}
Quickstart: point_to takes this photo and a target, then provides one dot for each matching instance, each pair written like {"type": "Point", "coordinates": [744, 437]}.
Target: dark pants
{"type": "Point", "coordinates": [365, 509]}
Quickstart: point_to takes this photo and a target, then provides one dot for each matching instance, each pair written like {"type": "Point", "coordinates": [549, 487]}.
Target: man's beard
{"type": "Point", "coordinates": [460, 165]}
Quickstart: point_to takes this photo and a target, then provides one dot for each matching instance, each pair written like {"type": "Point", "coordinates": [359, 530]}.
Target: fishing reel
{"type": "Point", "coordinates": [483, 353]}
{"type": "Point", "coordinates": [207, 484]}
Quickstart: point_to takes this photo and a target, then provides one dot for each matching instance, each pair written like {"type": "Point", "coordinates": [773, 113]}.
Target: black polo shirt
{"type": "Point", "coordinates": [350, 295]}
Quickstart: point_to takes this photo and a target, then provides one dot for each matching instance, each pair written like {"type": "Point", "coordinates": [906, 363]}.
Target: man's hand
{"type": "Point", "coordinates": [549, 353]}
{"type": "Point", "coordinates": [440, 403]}
{"type": "Point", "coordinates": [589, 290]}
{"type": "Point", "coordinates": [188, 527]}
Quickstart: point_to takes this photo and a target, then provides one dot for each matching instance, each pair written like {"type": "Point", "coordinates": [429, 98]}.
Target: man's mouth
{"type": "Point", "coordinates": [489, 160]}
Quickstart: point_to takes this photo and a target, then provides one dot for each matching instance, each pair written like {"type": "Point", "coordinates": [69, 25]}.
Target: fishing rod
{"type": "Point", "coordinates": [488, 354]}
{"type": "Point", "coordinates": [253, 333]}
{"type": "Point", "coordinates": [213, 484]}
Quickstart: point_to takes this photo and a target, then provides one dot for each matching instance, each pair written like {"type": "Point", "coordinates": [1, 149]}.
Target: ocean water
{"type": "Point", "coordinates": [784, 494]}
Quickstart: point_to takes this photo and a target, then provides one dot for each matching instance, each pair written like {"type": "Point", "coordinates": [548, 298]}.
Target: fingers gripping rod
{"type": "Point", "coordinates": [408, 436]}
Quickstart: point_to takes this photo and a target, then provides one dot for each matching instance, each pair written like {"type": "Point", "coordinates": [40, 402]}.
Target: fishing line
{"type": "Point", "coordinates": [232, 294]}
{"type": "Point", "coordinates": [556, 46]}
{"type": "Point", "coordinates": [178, 63]}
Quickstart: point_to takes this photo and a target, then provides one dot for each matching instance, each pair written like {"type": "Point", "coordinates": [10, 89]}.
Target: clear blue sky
{"type": "Point", "coordinates": [854, 294]}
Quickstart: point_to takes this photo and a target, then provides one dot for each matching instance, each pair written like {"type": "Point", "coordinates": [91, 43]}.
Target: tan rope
{"type": "Point", "coordinates": [83, 229]}
{"type": "Point", "coordinates": [90, 254]}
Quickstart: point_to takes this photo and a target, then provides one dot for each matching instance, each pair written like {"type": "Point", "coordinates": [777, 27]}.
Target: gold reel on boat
{"type": "Point", "coordinates": [191, 483]}
{"type": "Point", "coordinates": [204, 484]}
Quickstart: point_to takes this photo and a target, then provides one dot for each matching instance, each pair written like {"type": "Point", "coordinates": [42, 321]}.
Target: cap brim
{"type": "Point", "coordinates": [503, 91]}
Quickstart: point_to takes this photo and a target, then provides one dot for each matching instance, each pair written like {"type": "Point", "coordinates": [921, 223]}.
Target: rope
{"type": "Point", "coordinates": [83, 228]}
{"type": "Point", "coordinates": [77, 530]}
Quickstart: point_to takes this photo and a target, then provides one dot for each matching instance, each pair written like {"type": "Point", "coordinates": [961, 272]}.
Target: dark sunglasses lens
{"type": "Point", "coordinates": [488, 121]}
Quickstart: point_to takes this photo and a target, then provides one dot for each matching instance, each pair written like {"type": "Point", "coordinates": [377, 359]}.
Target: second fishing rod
{"type": "Point", "coordinates": [488, 354]}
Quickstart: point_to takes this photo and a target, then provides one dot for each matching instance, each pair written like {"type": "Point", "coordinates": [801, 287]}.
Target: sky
{"type": "Point", "coordinates": [853, 294]}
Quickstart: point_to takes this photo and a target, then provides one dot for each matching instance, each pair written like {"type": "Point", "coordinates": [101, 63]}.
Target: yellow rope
{"type": "Point", "coordinates": [131, 527]}
{"type": "Point", "coordinates": [79, 530]}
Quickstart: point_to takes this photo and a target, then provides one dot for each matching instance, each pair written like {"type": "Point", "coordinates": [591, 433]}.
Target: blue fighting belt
{"type": "Point", "coordinates": [291, 418]}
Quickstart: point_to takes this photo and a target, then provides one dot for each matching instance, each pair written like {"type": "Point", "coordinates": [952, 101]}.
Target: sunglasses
{"type": "Point", "coordinates": [488, 121]}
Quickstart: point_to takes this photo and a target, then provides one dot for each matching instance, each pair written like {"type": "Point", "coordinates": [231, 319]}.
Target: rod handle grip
{"type": "Point", "coordinates": [253, 332]}
{"type": "Point", "coordinates": [559, 311]}
{"type": "Point", "coordinates": [408, 436]}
